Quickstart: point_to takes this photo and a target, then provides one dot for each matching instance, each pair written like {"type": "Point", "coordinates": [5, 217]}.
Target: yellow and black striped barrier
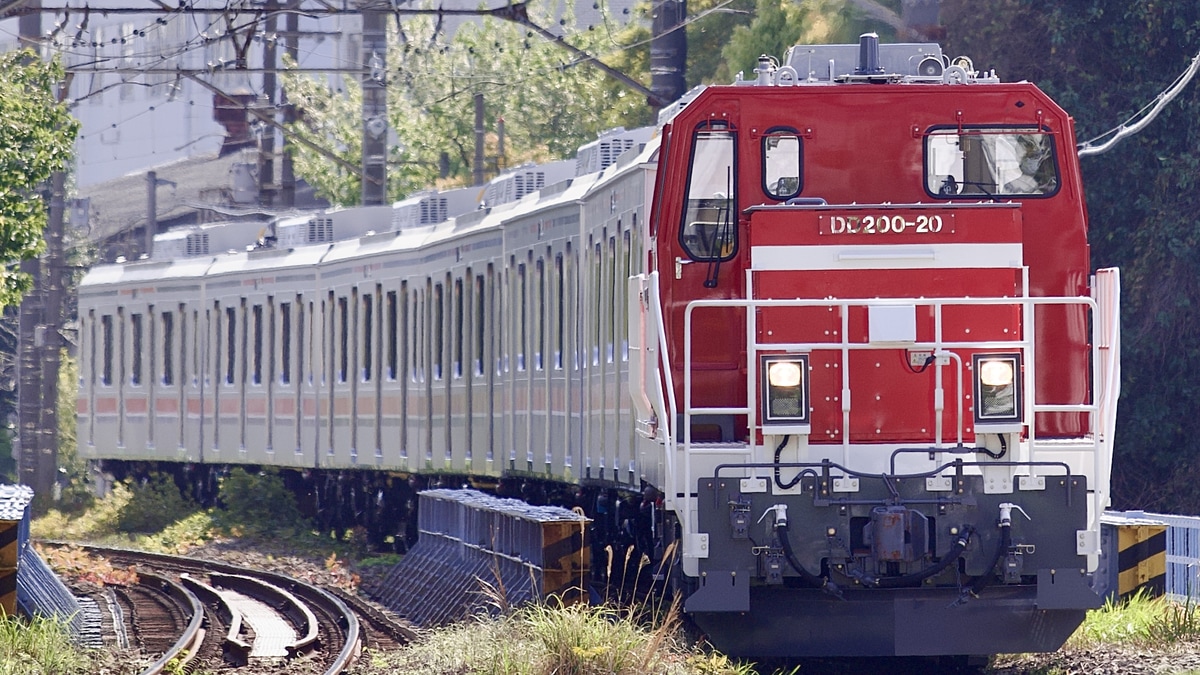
{"type": "Point", "coordinates": [10, 549]}
{"type": "Point", "coordinates": [1134, 556]}
{"type": "Point", "coordinates": [1141, 559]}
{"type": "Point", "coordinates": [8, 591]}
{"type": "Point", "coordinates": [14, 535]}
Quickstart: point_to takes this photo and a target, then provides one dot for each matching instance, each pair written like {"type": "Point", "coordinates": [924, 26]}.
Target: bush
{"type": "Point", "coordinates": [154, 504]}
{"type": "Point", "coordinates": [259, 502]}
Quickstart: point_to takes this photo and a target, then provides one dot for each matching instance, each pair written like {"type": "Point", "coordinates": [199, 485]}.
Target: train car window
{"type": "Point", "coordinates": [781, 165]}
{"type": "Point", "coordinates": [329, 333]}
{"type": "Point", "coordinates": [611, 305]}
{"type": "Point", "coordinates": [572, 299]}
{"type": "Point", "coordinates": [417, 333]}
{"type": "Point", "coordinates": [480, 314]}
{"type": "Point", "coordinates": [244, 345]}
{"type": "Point", "coordinates": [230, 343]}
{"type": "Point", "coordinates": [215, 325]}
{"type": "Point", "coordinates": [623, 314]}
{"type": "Point", "coordinates": [185, 349]}
{"type": "Point", "coordinates": [990, 162]}
{"type": "Point", "coordinates": [559, 312]}
{"type": "Point", "coordinates": [122, 344]}
{"type": "Point", "coordinates": [368, 326]}
{"type": "Point", "coordinates": [195, 346]}
{"type": "Point", "coordinates": [256, 374]}
{"type": "Point", "coordinates": [495, 337]}
{"type": "Point", "coordinates": [135, 326]}
{"type": "Point", "coordinates": [393, 321]}
{"type": "Point", "coordinates": [439, 330]}
{"type": "Point", "coordinates": [271, 337]}
{"type": "Point", "coordinates": [303, 333]}
{"type": "Point", "coordinates": [540, 329]}
{"type": "Point", "coordinates": [709, 228]}
{"type": "Point", "coordinates": [151, 328]}
{"type": "Point", "coordinates": [597, 292]}
{"type": "Point", "coordinates": [522, 338]}
{"type": "Point", "coordinates": [343, 344]}
{"type": "Point", "coordinates": [168, 352]}
{"type": "Point", "coordinates": [106, 327]}
{"type": "Point", "coordinates": [285, 342]}
{"type": "Point", "coordinates": [458, 328]}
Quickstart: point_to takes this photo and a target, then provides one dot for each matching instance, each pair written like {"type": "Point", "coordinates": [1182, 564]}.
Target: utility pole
{"type": "Point", "coordinates": [374, 108]}
{"type": "Point", "coordinates": [266, 147]}
{"type": "Point", "coordinates": [668, 52]}
{"type": "Point", "coordinates": [477, 170]}
{"type": "Point", "coordinates": [287, 174]}
{"type": "Point", "coordinates": [40, 318]}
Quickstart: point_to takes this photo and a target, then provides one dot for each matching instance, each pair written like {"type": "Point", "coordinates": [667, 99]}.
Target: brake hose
{"type": "Point", "coordinates": [809, 578]}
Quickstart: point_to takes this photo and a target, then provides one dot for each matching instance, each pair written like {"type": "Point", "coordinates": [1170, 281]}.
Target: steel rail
{"type": "Point", "coordinates": [343, 616]}
{"type": "Point", "coordinates": [188, 644]}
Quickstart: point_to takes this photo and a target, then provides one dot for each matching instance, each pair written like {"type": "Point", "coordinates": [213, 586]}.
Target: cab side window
{"type": "Point", "coordinates": [781, 153]}
{"type": "Point", "coordinates": [709, 228]}
{"type": "Point", "coordinates": [975, 162]}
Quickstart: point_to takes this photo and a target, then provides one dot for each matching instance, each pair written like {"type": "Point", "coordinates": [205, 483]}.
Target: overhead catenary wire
{"type": "Point", "coordinates": [1147, 114]}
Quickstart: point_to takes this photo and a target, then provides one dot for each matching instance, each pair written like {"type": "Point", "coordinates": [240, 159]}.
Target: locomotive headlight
{"type": "Point", "coordinates": [784, 392]}
{"type": "Point", "coordinates": [997, 389]}
{"type": "Point", "coordinates": [783, 374]}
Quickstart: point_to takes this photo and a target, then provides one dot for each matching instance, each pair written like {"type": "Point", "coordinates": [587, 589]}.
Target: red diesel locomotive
{"type": "Point", "coordinates": [880, 338]}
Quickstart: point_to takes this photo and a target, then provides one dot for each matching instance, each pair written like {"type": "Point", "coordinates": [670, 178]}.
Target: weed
{"type": "Point", "coordinates": [39, 646]}
{"type": "Point", "coordinates": [1140, 619]}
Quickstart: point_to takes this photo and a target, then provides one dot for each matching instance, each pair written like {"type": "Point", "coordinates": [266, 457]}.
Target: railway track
{"type": "Point", "coordinates": [212, 615]}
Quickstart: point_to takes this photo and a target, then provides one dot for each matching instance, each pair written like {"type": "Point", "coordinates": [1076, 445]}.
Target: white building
{"type": "Point", "coordinates": [133, 88]}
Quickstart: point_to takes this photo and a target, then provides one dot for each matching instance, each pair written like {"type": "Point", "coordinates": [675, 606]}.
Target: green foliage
{"type": "Point", "coordinates": [98, 521]}
{"type": "Point", "coordinates": [8, 463]}
{"type": "Point", "coordinates": [1139, 620]}
{"type": "Point", "coordinates": [74, 479]}
{"type": "Point", "coordinates": [1103, 60]}
{"type": "Point", "coordinates": [36, 137]}
{"type": "Point", "coordinates": [258, 503]}
{"type": "Point", "coordinates": [545, 640]}
{"type": "Point", "coordinates": [39, 647]}
{"type": "Point", "coordinates": [780, 24]}
{"type": "Point", "coordinates": [154, 504]}
{"type": "Point", "coordinates": [550, 105]}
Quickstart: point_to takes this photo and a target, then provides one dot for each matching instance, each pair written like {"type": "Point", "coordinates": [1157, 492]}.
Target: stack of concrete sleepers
{"type": "Point", "coordinates": [477, 552]}
{"type": "Point", "coordinates": [26, 582]}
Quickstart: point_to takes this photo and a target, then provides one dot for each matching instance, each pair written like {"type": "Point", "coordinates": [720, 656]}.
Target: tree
{"type": "Point", "coordinates": [550, 104]}
{"type": "Point", "coordinates": [1103, 60]}
{"type": "Point", "coordinates": [780, 24]}
{"type": "Point", "coordinates": [36, 138]}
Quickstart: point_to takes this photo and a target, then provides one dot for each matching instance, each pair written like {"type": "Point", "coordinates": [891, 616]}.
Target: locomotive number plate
{"type": "Point", "coordinates": [888, 224]}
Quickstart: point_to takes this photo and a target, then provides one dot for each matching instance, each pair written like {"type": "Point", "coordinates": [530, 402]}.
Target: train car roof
{"type": "Point", "coordinates": [146, 270]}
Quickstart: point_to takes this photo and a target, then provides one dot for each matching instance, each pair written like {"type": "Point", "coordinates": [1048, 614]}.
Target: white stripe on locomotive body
{"type": "Point", "coordinates": [552, 406]}
{"type": "Point", "coordinates": [903, 256]}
